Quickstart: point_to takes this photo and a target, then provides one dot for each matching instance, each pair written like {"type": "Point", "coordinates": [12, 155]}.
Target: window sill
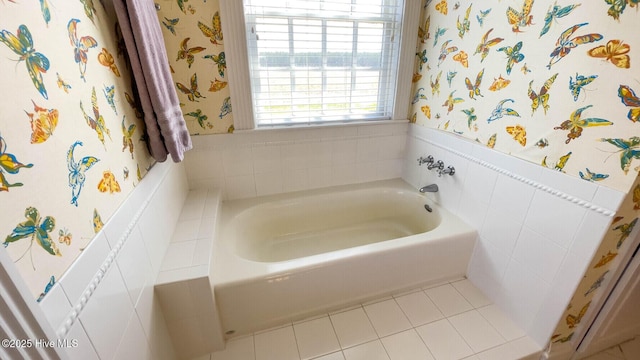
{"type": "Point", "coordinates": [308, 126]}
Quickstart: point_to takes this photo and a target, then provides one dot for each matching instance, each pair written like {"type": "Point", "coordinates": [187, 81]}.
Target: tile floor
{"type": "Point", "coordinates": [628, 350]}
{"type": "Point", "coordinates": [447, 322]}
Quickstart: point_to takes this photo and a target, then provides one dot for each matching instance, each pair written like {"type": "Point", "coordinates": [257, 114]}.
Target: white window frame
{"type": "Point", "coordinates": [235, 46]}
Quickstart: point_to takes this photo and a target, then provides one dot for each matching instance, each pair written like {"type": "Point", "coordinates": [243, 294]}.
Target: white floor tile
{"type": "Point", "coordinates": [448, 300]}
{"type": "Point", "coordinates": [353, 327]}
{"type": "Point", "coordinates": [406, 345]}
{"type": "Point", "coordinates": [236, 349]}
{"type": "Point", "coordinates": [419, 308]}
{"type": "Point", "coordinates": [279, 344]}
{"type": "Point", "coordinates": [470, 292]}
{"type": "Point", "coordinates": [335, 356]}
{"type": "Point", "coordinates": [476, 331]}
{"type": "Point", "coordinates": [369, 351]}
{"type": "Point", "coordinates": [387, 317]}
{"type": "Point", "coordinates": [631, 349]}
{"type": "Point", "coordinates": [507, 328]}
{"type": "Point", "coordinates": [443, 341]}
{"type": "Point", "coordinates": [316, 338]}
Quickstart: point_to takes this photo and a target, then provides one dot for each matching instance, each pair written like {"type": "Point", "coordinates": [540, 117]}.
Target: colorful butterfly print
{"type": "Point", "coordinates": [125, 173]}
{"type": "Point", "coordinates": [451, 75]}
{"type": "Point", "coordinates": [96, 123]}
{"type": "Point", "coordinates": [483, 14]}
{"type": "Point", "coordinates": [201, 119]}
{"type": "Point", "coordinates": [108, 183]}
{"type": "Point", "coordinates": [542, 143]}
{"type": "Point", "coordinates": [564, 44]}
{"type": "Point", "coordinates": [462, 58]}
{"type": "Point", "coordinates": [77, 171]}
{"type": "Point", "coordinates": [463, 26]}
{"type": "Point", "coordinates": [36, 229]}
{"type": "Point", "coordinates": [187, 53]}
{"type": "Point", "coordinates": [525, 69]}
{"type": "Point", "coordinates": [225, 109]}
{"type": "Point", "coordinates": [439, 32]}
{"type": "Point", "coordinates": [109, 94]}
{"type": "Point", "coordinates": [43, 122]}
{"type": "Point", "coordinates": [519, 134]}
{"type": "Point", "coordinates": [419, 96]}
{"type": "Point", "coordinates": [559, 166]}
{"type": "Point", "coordinates": [451, 102]}
{"type": "Point", "coordinates": [134, 105]}
{"type": "Point", "coordinates": [22, 44]}
{"type": "Point", "coordinates": [81, 46]}
{"type": "Point", "coordinates": [46, 13]}
{"type": "Point", "coordinates": [575, 124]}
{"type": "Point", "coordinates": [483, 47]}
{"type": "Point", "coordinates": [580, 82]}
{"type": "Point", "coordinates": [214, 33]}
{"type": "Point", "coordinates": [191, 92]}
{"type": "Point", "coordinates": [217, 85]}
{"type": "Point", "coordinates": [97, 221]}
{"type": "Point", "coordinates": [499, 83]}
{"type": "Point", "coordinates": [422, 59]}
{"type": "Point", "coordinates": [426, 110]}
{"type": "Point", "coordinates": [629, 98]}
{"type": "Point", "coordinates": [442, 7]}
{"type": "Point", "coordinates": [555, 12]}
{"type": "Point", "coordinates": [435, 86]}
{"type": "Point", "coordinates": [10, 165]}
{"type": "Point", "coordinates": [574, 320]}
{"type": "Point", "coordinates": [471, 116]}
{"type": "Point", "coordinates": [636, 197]}
{"type": "Point", "coordinates": [513, 55]}
{"type": "Point", "coordinates": [416, 77]}
{"type": "Point", "coordinates": [474, 89]}
{"type": "Point", "coordinates": [541, 98]}
{"type": "Point", "coordinates": [230, 129]}
{"type": "Point", "coordinates": [605, 259]}
{"type": "Point", "coordinates": [556, 339]}
{"type": "Point", "coordinates": [106, 59]}
{"type": "Point", "coordinates": [89, 9]}
{"type": "Point", "coordinates": [629, 150]}
{"type": "Point", "coordinates": [591, 176]}
{"type": "Point", "coordinates": [221, 61]}
{"type": "Point", "coordinates": [456, 6]}
{"type": "Point", "coordinates": [127, 136]}
{"type": "Point", "coordinates": [444, 51]}
{"type": "Point", "coordinates": [423, 33]}
{"type": "Point", "coordinates": [501, 111]}
{"type": "Point", "coordinates": [617, 7]}
{"type": "Point", "coordinates": [170, 24]}
{"type": "Point", "coordinates": [596, 284]}
{"type": "Point", "coordinates": [625, 231]}
{"type": "Point", "coordinates": [47, 288]}
{"type": "Point", "coordinates": [615, 51]}
{"type": "Point", "coordinates": [491, 143]}
{"type": "Point", "coordinates": [62, 84]}
{"type": "Point", "coordinates": [522, 18]}
{"type": "Point", "coordinates": [64, 236]}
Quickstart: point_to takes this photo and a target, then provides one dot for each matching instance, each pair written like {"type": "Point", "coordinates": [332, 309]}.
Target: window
{"type": "Point", "coordinates": [319, 61]}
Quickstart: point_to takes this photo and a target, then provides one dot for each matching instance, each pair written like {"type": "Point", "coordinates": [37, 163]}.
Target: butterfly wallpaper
{"type": "Point", "coordinates": [553, 82]}
{"type": "Point", "coordinates": [544, 79]}
{"type": "Point", "coordinates": [195, 46]}
{"type": "Point", "coordinates": [63, 169]}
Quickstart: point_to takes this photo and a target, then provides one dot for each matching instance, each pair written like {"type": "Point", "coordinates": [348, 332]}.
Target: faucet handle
{"type": "Point", "coordinates": [450, 170]}
{"type": "Point", "coordinates": [425, 160]}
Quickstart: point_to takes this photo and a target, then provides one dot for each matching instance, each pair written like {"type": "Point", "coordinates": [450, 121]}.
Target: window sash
{"type": "Point", "coordinates": [310, 63]}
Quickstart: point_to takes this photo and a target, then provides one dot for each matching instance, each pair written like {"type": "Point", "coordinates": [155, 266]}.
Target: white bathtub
{"type": "Point", "coordinates": [286, 257]}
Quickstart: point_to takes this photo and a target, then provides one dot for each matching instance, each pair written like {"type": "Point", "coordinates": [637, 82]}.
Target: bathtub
{"type": "Point", "coordinates": [286, 257]}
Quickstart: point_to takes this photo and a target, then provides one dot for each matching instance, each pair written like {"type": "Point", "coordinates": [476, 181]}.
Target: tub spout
{"type": "Point", "coordinates": [429, 188]}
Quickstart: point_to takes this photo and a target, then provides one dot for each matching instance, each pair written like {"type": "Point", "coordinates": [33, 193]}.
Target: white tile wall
{"type": "Point", "coordinates": [264, 162]}
{"type": "Point", "coordinates": [106, 299]}
{"type": "Point", "coordinates": [534, 240]}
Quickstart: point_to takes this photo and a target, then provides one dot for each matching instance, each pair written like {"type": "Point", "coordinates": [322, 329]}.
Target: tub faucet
{"type": "Point", "coordinates": [429, 188]}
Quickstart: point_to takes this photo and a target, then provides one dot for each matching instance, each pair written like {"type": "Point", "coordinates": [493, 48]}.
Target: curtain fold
{"type": "Point", "coordinates": [166, 128]}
